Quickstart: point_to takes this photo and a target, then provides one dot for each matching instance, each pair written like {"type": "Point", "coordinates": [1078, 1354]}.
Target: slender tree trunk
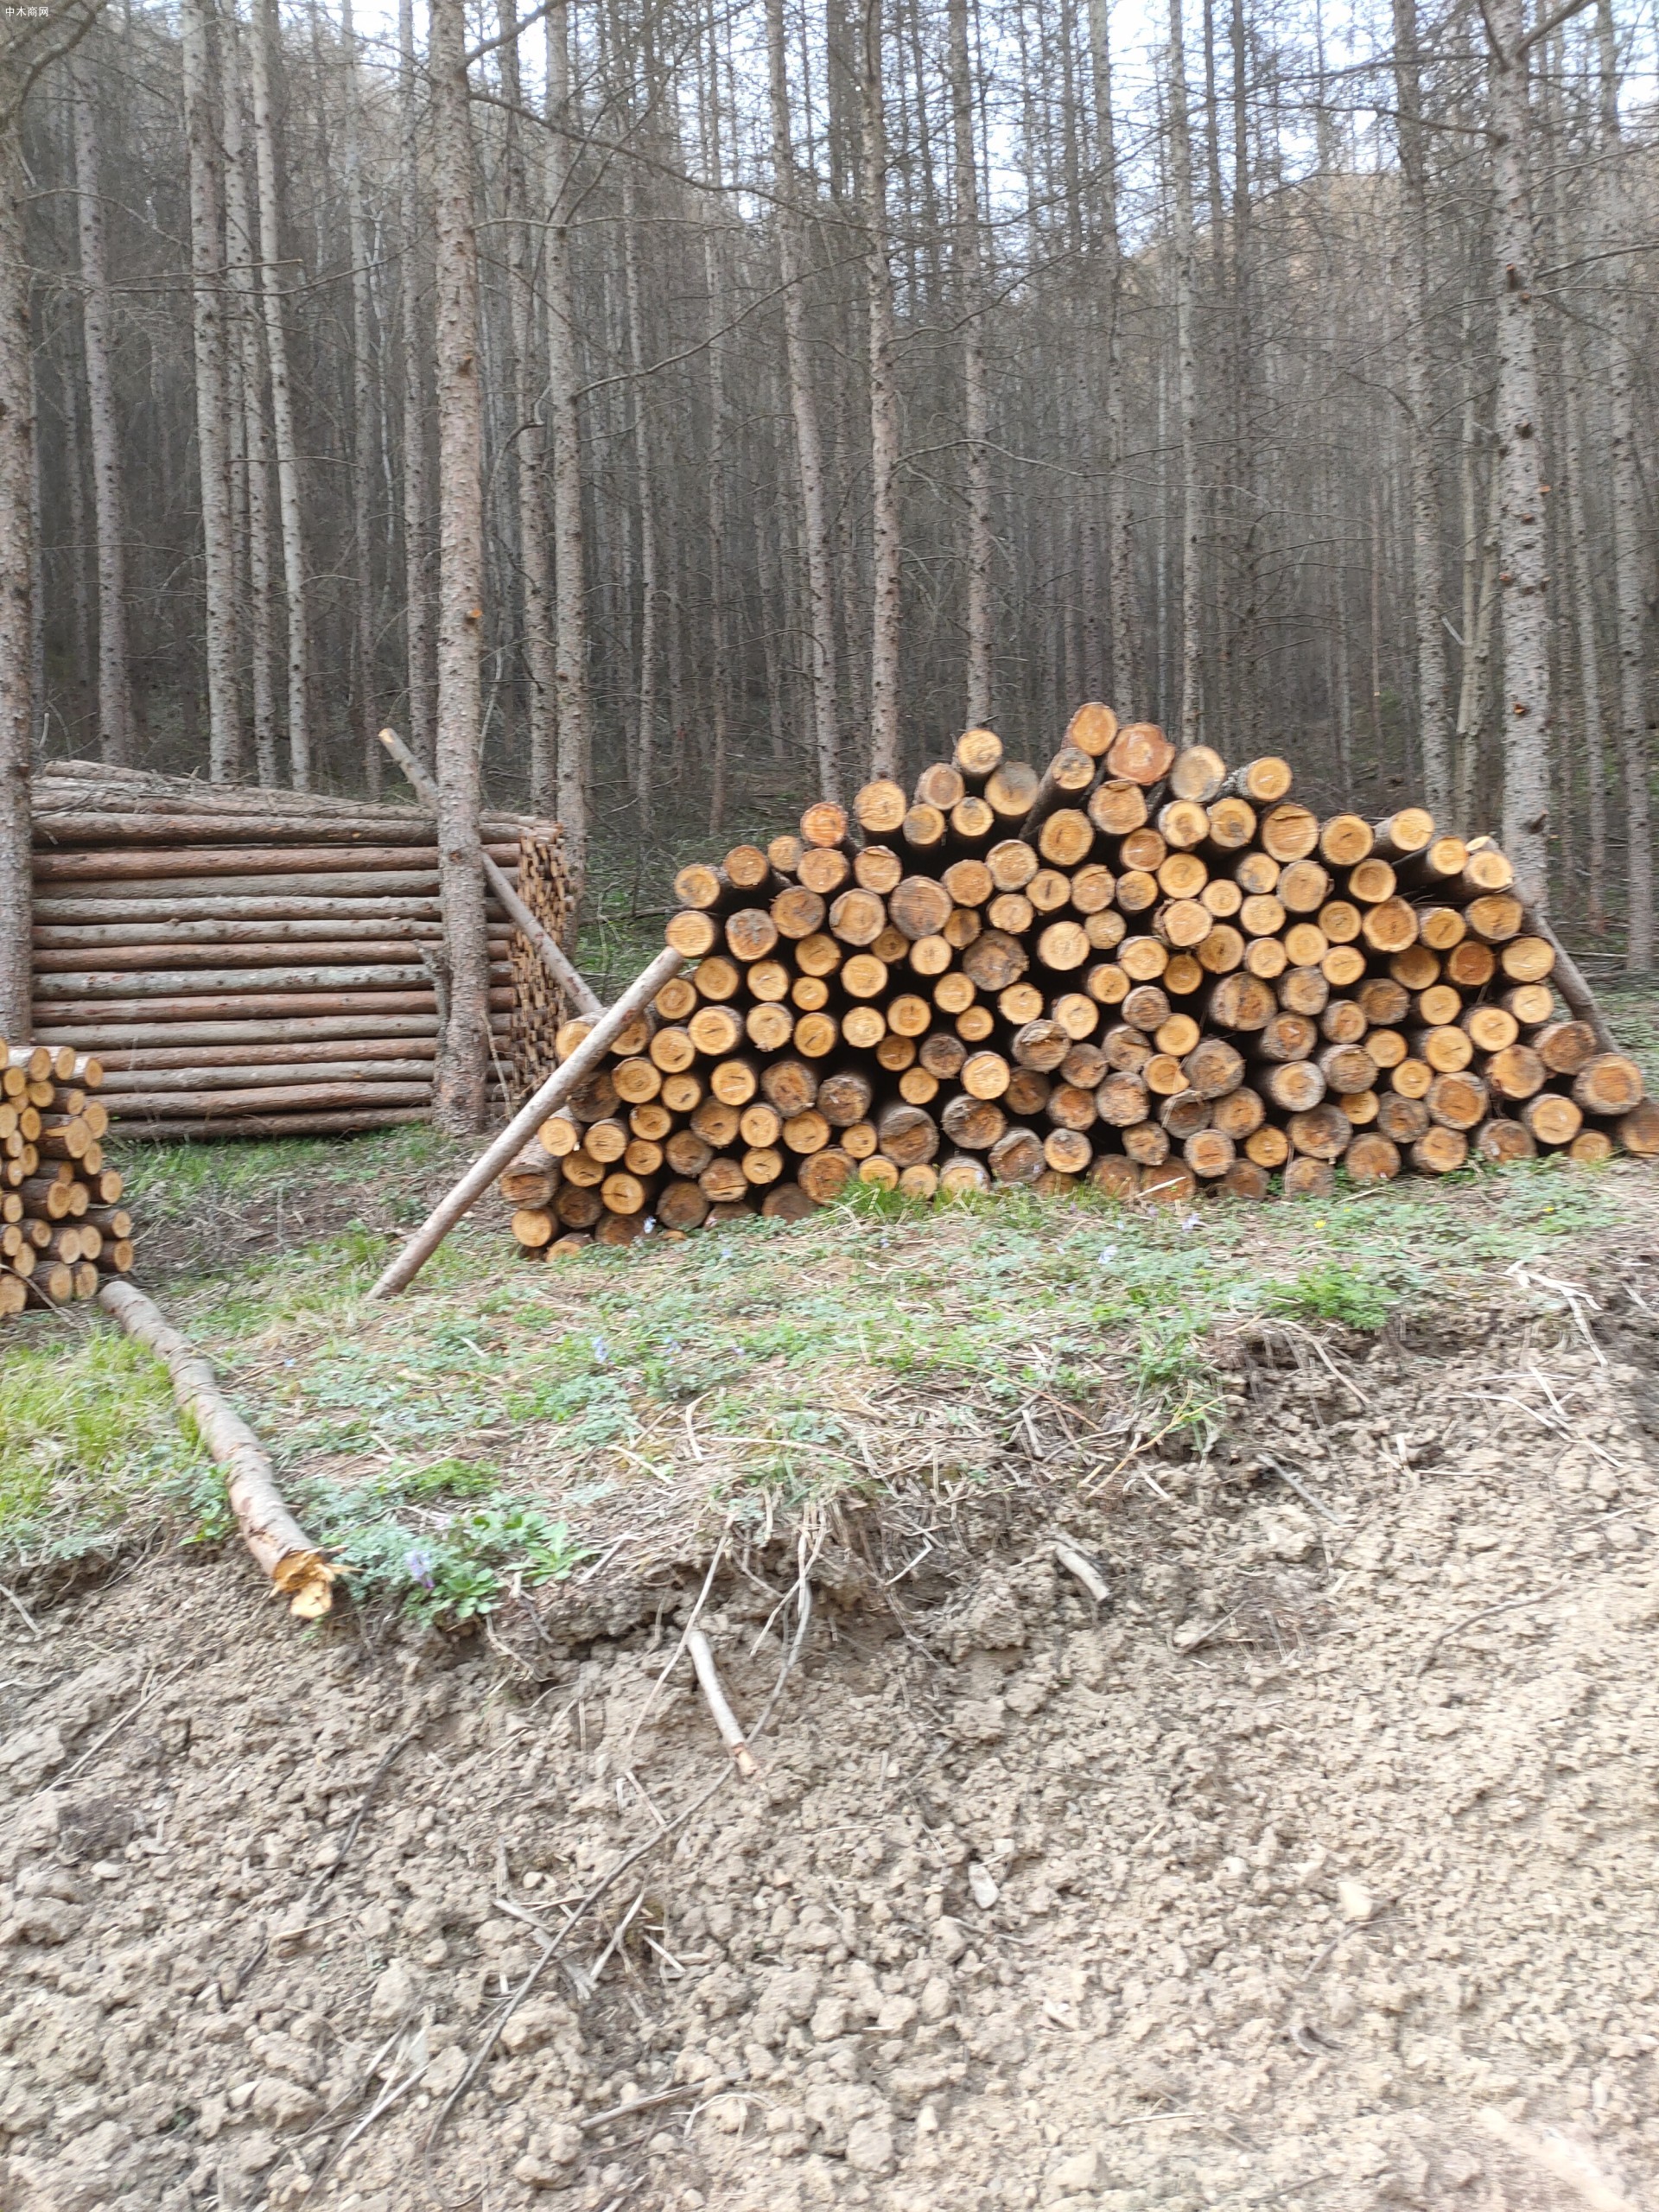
{"type": "Point", "coordinates": [1120, 549]}
{"type": "Point", "coordinates": [885, 546]}
{"type": "Point", "coordinates": [1475, 703]}
{"type": "Point", "coordinates": [1522, 535]}
{"type": "Point", "coordinates": [570, 678]}
{"type": "Point", "coordinates": [241, 254]}
{"type": "Point", "coordinates": [1431, 700]}
{"type": "Point", "coordinates": [417, 601]}
{"type": "Point", "coordinates": [720, 674]}
{"type": "Point", "coordinates": [645, 503]}
{"type": "Point", "coordinates": [804, 415]}
{"type": "Point", "coordinates": [114, 693]}
{"type": "Point", "coordinates": [1181, 161]}
{"type": "Point", "coordinates": [80, 602]}
{"type": "Point", "coordinates": [1630, 535]}
{"type": "Point", "coordinates": [212, 420]}
{"type": "Point", "coordinates": [1248, 650]}
{"type": "Point", "coordinates": [260, 33]}
{"type": "Point", "coordinates": [530, 452]}
{"type": "Point", "coordinates": [362, 470]}
{"type": "Point", "coordinates": [17, 589]}
{"type": "Point", "coordinates": [459, 1093]}
{"type": "Point", "coordinates": [1582, 571]}
{"type": "Point", "coordinates": [976, 404]}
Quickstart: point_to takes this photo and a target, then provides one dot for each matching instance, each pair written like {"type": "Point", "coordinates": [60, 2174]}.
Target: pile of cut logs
{"type": "Point", "coordinates": [265, 962]}
{"type": "Point", "coordinates": [1133, 968]}
{"type": "Point", "coordinates": [62, 1226]}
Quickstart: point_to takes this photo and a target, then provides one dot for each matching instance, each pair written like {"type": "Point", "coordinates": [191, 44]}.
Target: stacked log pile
{"type": "Point", "coordinates": [62, 1226]}
{"type": "Point", "coordinates": [1133, 968]}
{"type": "Point", "coordinates": [264, 962]}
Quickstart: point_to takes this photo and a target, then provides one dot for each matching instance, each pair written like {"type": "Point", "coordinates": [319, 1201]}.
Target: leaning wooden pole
{"type": "Point", "coordinates": [282, 1548]}
{"type": "Point", "coordinates": [524, 1125]}
{"type": "Point", "coordinates": [575, 985]}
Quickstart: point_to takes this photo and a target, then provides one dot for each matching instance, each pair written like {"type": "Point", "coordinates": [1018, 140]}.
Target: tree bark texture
{"type": "Point", "coordinates": [463, 1066]}
{"type": "Point", "coordinates": [212, 396]}
{"type": "Point", "coordinates": [887, 548]}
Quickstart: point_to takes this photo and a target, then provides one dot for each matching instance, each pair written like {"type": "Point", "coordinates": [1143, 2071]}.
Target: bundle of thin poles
{"type": "Point", "coordinates": [265, 962]}
{"type": "Point", "coordinates": [1134, 967]}
{"type": "Point", "coordinates": [62, 1227]}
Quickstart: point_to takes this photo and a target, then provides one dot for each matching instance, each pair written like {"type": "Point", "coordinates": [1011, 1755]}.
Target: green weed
{"type": "Point", "coordinates": [1330, 1292]}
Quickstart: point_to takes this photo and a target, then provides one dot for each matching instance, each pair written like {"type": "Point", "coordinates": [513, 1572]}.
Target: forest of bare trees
{"type": "Point", "coordinates": [668, 411]}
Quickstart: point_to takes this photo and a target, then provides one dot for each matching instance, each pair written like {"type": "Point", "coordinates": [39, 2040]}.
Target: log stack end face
{"type": "Point", "coordinates": [1135, 968]}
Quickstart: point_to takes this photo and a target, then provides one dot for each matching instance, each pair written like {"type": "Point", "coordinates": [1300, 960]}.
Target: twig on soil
{"type": "Point", "coordinates": [1507, 1605]}
{"type": "Point", "coordinates": [22, 1610]}
{"type": "Point", "coordinates": [725, 1719]}
{"type": "Point", "coordinates": [617, 1934]}
{"type": "Point", "coordinates": [1078, 1563]}
{"type": "Point", "coordinates": [359, 1816]}
{"type": "Point", "coordinates": [673, 2096]}
{"type": "Point", "coordinates": [655, 1691]}
{"type": "Point", "coordinates": [1301, 1490]}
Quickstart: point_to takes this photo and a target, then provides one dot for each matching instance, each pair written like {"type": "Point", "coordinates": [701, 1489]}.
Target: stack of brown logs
{"type": "Point", "coordinates": [1133, 968]}
{"type": "Point", "coordinates": [61, 1226]}
{"type": "Point", "coordinates": [264, 962]}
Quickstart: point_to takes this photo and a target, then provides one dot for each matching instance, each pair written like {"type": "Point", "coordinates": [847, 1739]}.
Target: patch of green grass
{"type": "Point", "coordinates": [88, 1431]}
{"type": "Point", "coordinates": [1332, 1292]}
{"type": "Point", "coordinates": [494, 1384]}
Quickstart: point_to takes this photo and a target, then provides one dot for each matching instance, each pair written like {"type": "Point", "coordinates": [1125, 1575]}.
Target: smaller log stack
{"type": "Point", "coordinates": [62, 1226]}
{"type": "Point", "coordinates": [262, 962]}
{"type": "Point", "coordinates": [1134, 967]}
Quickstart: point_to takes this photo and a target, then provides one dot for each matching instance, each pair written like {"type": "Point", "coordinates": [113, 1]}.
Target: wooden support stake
{"type": "Point", "coordinates": [1568, 979]}
{"type": "Point", "coordinates": [725, 1719]}
{"type": "Point", "coordinates": [580, 994]}
{"type": "Point", "coordinates": [278, 1543]}
{"type": "Point", "coordinates": [568, 1076]}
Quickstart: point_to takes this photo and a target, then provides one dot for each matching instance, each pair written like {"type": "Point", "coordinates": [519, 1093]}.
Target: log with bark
{"type": "Point", "coordinates": [177, 925]}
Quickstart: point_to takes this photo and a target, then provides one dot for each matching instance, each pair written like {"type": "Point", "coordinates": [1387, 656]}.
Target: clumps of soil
{"type": "Point", "coordinates": [1314, 1870]}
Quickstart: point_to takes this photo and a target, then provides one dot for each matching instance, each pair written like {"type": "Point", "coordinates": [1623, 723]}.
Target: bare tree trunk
{"type": "Point", "coordinates": [804, 413]}
{"type": "Point", "coordinates": [261, 32]}
{"type": "Point", "coordinates": [1520, 460]}
{"type": "Point", "coordinates": [571, 679]}
{"type": "Point", "coordinates": [650, 581]}
{"type": "Point", "coordinates": [459, 1092]}
{"type": "Point", "coordinates": [362, 468]}
{"type": "Point", "coordinates": [976, 404]}
{"type": "Point", "coordinates": [1582, 573]}
{"type": "Point", "coordinates": [533, 557]}
{"type": "Point", "coordinates": [241, 254]}
{"type": "Point", "coordinates": [114, 693]}
{"type": "Point", "coordinates": [885, 546]}
{"type": "Point", "coordinates": [1432, 703]}
{"type": "Point", "coordinates": [1248, 651]}
{"type": "Point", "coordinates": [720, 674]}
{"type": "Point", "coordinates": [417, 604]}
{"type": "Point", "coordinates": [1475, 700]}
{"type": "Point", "coordinates": [213, 419]}
{"type": "Point", "coordinates": [1180, 162]}
{"type": "Point", "coordinates": [17, 589]}
{"type": "Point", "coordinates": [1629, 536]}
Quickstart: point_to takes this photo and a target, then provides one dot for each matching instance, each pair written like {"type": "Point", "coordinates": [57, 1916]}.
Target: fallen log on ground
{"type": "Point", "coordinates": [283, 1552]}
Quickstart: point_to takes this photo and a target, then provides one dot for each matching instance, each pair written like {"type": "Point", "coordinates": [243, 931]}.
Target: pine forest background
{"type": "Point", "coordinates": [850, 371]}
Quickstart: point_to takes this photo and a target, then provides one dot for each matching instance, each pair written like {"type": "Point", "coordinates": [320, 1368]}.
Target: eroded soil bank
{"type": "Point", "coordinates": [1314, 1869]}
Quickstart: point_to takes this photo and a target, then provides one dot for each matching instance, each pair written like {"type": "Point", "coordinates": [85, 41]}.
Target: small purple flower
{"type": "Point", "coordinates": [418, 1566]}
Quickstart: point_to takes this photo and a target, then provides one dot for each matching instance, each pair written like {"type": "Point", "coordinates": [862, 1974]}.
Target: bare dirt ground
{"type": "Point", "coordinates": [1314, 1869]}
